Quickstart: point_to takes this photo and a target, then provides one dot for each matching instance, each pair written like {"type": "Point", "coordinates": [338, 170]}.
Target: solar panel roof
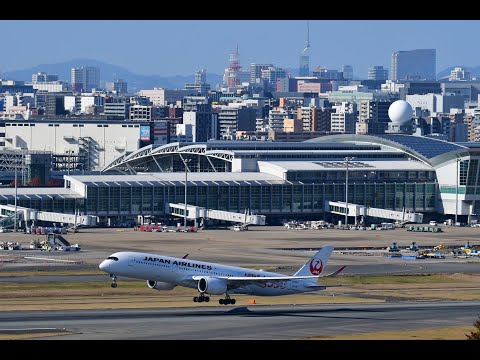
{"type": "Point", "coordinates": [425, 146]}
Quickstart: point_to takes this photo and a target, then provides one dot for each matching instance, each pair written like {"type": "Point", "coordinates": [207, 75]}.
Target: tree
{"type": "Point", "coordinates": [474, 335]}
{"type": "Point", "coordinates": [35, 181]}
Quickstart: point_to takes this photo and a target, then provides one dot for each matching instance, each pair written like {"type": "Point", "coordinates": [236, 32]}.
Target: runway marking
{"type": "Point", "coordinates": [49, 259]}
{"type": "Point", "coordinates": [29, 329]}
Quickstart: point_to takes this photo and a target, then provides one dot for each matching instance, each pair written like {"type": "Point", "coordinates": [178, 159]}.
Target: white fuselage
{"type": "Point", "coordinates": [181, 271]}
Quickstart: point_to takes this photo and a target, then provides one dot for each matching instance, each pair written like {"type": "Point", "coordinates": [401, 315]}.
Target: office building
{"type": "Point", "coordinates": [256, 73]}
{"type": "Point", "coordinates": [347, 71]}
{"type": "Point", "coordinates": [120, 86]}
{"type": "Point", "coordinates": [419, 64]}
{"type": "Point", "coordinates": [85, 78]}
{"type": "Point", "coordinates": [42, 77]}
{"type": "Point", "coordinates": [377, 73]}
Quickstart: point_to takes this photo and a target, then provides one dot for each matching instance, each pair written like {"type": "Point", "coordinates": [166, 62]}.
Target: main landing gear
{"type": "Point", "coordinates": [227, 300]}
{"type": "Point", "coordinates": [114, 280]}
{"type": "Point", "coordinates": [201, 298]}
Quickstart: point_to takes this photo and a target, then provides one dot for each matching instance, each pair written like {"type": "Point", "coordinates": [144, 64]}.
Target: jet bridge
{"type": "Point", "coordinates": [195, 212]}
{"type": "Point", "coordinates": [355, 210]}
{"type": "Point", "coordinates": [7, 214]}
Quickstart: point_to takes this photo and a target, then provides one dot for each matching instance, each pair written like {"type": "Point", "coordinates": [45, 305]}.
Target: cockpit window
{"type": "Point", "coordinates": [112, 258]}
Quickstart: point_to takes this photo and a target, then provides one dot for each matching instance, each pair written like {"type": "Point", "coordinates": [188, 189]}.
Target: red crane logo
{"type": "Point", "coordinates": [316, 266]}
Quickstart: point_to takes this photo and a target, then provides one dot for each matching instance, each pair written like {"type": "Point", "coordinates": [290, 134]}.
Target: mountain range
{"type": "Point", "coordinates": [136, 82]}
{"type": "Point", "coordinates": [109, 72]}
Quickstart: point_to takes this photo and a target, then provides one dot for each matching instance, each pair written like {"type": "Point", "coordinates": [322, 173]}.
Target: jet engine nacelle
{"type": "Point", "coordinates": [157, 285]}
{"type": "Point", "coordinates": [212, 285]}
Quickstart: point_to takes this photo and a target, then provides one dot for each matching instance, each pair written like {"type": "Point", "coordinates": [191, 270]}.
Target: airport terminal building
{"type": "Point", "coordinates": [279, 180]}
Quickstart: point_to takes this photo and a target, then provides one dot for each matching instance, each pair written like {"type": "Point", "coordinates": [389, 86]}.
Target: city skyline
{"type": "Point", "coordinates": [190, 45]}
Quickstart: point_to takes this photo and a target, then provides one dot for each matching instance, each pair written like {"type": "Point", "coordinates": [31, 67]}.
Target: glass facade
{"type": "Point", "coordinates": [260, 197]}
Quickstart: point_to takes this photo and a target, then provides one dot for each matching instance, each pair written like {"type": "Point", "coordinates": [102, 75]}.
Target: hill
{"type": "Point", "coordinates": [110, 72]}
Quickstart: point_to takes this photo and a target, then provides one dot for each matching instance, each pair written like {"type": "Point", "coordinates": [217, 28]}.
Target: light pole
{"type": "Point", "coordinates": [456, 196]}
{"type": "Point", "coordinates": [185, 161]}
{"type": "Point", "coordinates": [347, 159]}
{"type": "Point", "coordinates": [15, 218]}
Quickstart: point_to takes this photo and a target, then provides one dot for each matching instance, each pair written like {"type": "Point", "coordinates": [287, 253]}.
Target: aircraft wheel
{"type": "Point", "coordinates": [201, 299]}
{"type": "Point", "coordinates": [207, 298]}
{"type": "Point", "coordinates": [114, 285]}
{"type": "Point", "coordinates": [233, 301]}
{"type": "Point", "coordinates": [221, 302]}
{"type": "Point", "coordinates": [195, 299]}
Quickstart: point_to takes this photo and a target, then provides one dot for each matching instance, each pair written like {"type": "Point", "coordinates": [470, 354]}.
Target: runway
{"type": "Point", "coordinates": [278, 322]}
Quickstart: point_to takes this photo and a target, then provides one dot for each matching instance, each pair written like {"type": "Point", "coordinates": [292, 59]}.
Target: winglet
{"type": "Point", "coordinates": [185, 256]}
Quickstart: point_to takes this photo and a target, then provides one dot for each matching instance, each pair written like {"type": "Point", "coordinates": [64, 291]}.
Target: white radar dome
{"type": "Point", "coordinates": [400, 111]}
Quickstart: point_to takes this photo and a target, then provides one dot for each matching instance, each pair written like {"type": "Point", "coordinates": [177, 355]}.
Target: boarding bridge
{"type": "Point", "coordinates": [8, 221]}
{"type": "Point", "coordinates": [28, 214]}
{"type": "Point", "coordinates": [195, 212]}
{"type": "Point", "coordinates": [354, 210]}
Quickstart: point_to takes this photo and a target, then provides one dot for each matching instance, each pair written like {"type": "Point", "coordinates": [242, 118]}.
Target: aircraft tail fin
{"type": "Point", "coordinates": [317, 263]}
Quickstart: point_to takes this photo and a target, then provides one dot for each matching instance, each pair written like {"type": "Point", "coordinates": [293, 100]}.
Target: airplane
{"type": "Point", "coordinates": [165, 272]}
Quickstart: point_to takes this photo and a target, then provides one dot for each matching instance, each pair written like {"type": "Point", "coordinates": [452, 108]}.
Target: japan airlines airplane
{"type": "Point", "coordinates": [165, 272]}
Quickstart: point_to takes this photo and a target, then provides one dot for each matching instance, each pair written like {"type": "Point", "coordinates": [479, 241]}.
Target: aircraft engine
{"type": "Point", "coordinates": [212, 285]}
{"type": "Point", "coordinates": [157, 285]}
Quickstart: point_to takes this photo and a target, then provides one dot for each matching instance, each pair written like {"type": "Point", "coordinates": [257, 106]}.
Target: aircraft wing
{"type": "Point", "coordinates": [259, 278]}
{"type": "Point", "coordinates": [238, 281]}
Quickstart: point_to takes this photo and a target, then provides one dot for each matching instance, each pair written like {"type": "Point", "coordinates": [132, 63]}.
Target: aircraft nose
{"type": "Point", "coordinates": [104, 265]}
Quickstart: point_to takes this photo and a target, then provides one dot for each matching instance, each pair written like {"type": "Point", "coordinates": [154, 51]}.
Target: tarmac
{"type": "Point", "coordinates": [269, 247]}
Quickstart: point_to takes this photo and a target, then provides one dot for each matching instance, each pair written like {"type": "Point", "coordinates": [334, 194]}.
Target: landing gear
{"type": "Point", "coordinates": [114, 281]}
{"type": "Point", "coordinates": [201, 298]}
{"type": "Point", "coordinates": [227, 300]}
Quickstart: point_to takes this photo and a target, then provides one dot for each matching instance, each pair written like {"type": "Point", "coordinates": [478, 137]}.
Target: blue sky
{"type": "Point", "coordinates": [179, 47]}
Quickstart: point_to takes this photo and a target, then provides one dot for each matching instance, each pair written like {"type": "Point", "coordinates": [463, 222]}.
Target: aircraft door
{"type": "Point", "coordinates": [131, 260]}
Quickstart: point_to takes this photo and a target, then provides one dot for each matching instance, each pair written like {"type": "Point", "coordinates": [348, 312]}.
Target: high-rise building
{"type": "Point", "coordinates": [200, 85]}
{"type": "Point", "coordinates": [201, 76]}
{"type": "Point", "coordinates": [236, 118]}
{"type": "Point", "coordinates": [460, 74]}
{"type": "Point", "coordinates": [377, 73]}
{"type": "Point", "coordinates": [256, 73]}
{"type": "Point", "coordinates": [55, 104]}
{"type": "Point", "coordinates": [308, 117]}
{"type": "Point", "coordinates": [347, 72]}
{"type": "Point", "coordinates": [272, 74]}
{"type": "Point", "coordinates": [419, 64]}
{"type": "Point", "coordinates": [42, 77]}
{"type": "Point", "coordinates": [344, 117]}
{"type": "Point", "coordinates": [85, 78]}
{"type": "Point", "coordinates": [327, 74]}
{"type": "Point", "coordinates": [304, 69]}
{"type": "Point", "coordinates": [373, 116]}
{"type": "Point", "coordinates": [197, 112]}
{"type": "Point", "coordinates": [120, 86]}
